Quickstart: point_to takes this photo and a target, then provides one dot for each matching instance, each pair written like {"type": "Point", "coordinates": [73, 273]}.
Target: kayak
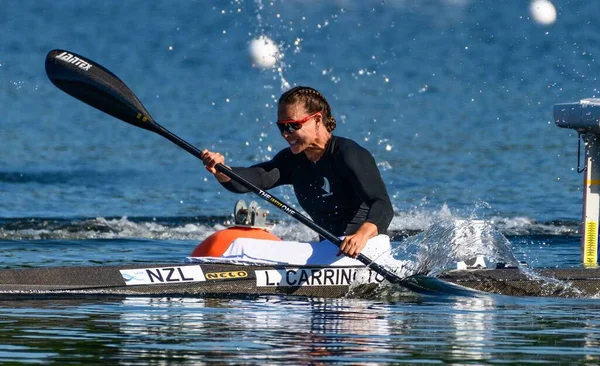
{"type": "Point", "coordinates": [251, 267]}
{"type": "Point", "coordinates": [229, 279]}
{"type": "Point", "coordinates": [246, 260]}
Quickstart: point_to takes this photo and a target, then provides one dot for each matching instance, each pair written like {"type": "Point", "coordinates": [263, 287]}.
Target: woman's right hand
{"type": "Point", "coordinates": [210, 160]}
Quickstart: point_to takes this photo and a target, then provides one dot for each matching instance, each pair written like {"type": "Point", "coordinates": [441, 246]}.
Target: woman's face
{"type": "Point", "coordinates": [302, 138]}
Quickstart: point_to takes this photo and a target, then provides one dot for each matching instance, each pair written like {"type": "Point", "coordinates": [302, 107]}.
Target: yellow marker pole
{"type": "Point", "coordinates": [591, 201]}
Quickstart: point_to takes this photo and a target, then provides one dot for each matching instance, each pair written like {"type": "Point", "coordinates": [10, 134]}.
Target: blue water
{"type": "Point", "coordinates": [453, 98]}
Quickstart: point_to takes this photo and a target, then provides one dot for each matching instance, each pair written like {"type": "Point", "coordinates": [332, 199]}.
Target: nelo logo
{"type": "Point", "coordinates": [226, 275]}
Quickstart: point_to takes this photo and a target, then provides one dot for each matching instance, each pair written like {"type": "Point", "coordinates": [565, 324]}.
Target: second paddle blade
{"type": "Point", "coordinates": [91, 83]}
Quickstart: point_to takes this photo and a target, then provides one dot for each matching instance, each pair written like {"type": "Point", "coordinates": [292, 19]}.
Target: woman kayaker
{"type": "Point", "coordinates": [336, 181]}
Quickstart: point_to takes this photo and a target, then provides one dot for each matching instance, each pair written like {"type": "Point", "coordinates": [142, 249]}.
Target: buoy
{"type": "Point", "coordinates": [216, 244]}
{"type": "Point", "coordinates": [250, 222]}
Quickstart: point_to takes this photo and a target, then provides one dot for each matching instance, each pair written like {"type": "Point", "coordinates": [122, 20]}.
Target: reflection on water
{"type": "Point", "coordinates": [472, 333]}
{"type": "Point", "coordinates": [290, 330]}
{"type": "Point", "coordinates": [299, 331]}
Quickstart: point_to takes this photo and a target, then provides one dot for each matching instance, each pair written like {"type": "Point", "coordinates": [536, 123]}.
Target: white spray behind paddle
{"type": "Point", "coordinates": [543, 12]}
{"type": "Point", "coordinates": [264, 52]}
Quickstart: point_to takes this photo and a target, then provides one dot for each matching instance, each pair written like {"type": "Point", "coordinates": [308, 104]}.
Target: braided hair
{"type": "Point", "coordinates": [313, 102]}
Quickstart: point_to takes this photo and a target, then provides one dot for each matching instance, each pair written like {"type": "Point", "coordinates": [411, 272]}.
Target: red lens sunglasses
{"type": "Point", "coordinates": [292, 126]}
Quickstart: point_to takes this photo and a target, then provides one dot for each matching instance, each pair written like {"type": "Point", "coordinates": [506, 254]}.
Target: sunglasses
{"type": "Point", "coordinates": [292, 126]}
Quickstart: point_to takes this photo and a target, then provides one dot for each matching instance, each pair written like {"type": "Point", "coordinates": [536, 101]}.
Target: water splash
{"type": "Point", "coordinates": [447, 242]}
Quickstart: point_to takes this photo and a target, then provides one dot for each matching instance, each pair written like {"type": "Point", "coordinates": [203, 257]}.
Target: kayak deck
{"type": "Point", "coordinates": [235, 280]}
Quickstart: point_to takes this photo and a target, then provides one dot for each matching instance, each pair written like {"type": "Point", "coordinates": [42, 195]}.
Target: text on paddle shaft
{"type": "Point", "coordinates": [313, 277]}
{"type": "Point", "coordinates": [67, 57]}
{"type": "Point", "coordinates": [276, 202]}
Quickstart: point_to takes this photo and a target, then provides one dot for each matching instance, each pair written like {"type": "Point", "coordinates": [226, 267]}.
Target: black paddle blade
{"type": "Point", "coordinates": [91, 83]}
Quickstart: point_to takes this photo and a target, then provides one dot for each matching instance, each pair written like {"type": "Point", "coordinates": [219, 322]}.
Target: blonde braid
{"type": "Point", "coordinates": [313, 102]}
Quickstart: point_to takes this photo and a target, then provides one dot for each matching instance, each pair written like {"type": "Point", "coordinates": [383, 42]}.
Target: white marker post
{"type": "Point", "coordinates": [584, 117]}
{"type": "Point", "coordinates": [591, 201]}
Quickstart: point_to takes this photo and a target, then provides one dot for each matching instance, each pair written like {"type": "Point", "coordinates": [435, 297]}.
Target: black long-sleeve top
{"type": "Point", "coordinates": [340, 191]}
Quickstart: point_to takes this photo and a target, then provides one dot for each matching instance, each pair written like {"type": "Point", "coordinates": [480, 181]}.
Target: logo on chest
{"type": "Point", "coordinates": [326, 188]}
